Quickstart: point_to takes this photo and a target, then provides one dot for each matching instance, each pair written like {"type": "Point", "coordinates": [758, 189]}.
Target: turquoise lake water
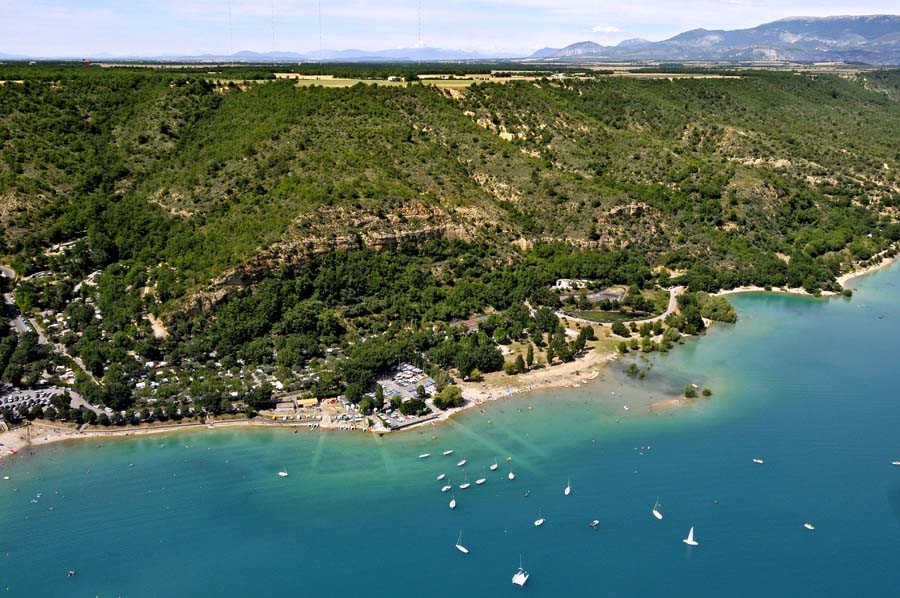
{"type": "Point", "coordinates": [810, 386]}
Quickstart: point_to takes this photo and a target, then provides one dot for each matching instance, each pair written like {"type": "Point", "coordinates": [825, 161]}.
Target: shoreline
{"type": "Point", "coordinates": [493, 387]}
{"type": "Point", "coordinates": [842, 280]}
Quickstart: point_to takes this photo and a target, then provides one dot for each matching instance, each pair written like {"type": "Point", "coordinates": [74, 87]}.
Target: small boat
{"type": "Point", "coordinates": [494, 466]}
{"type": "Point", "coordinates": [526, 493]}
{"type": "Point", "coordinates": [895, 462]}
{"type": "Point", "coordinates": [521, 576]}
{"type": "Point", "coordinates": [441, 477]}
{"type": "Point", "coordinates": [480, 481]}
{"type": "Point", "coordinates": [283, 473]}
{"type": "Point", "coordinates": [445, 453]}
{"type": "Point", "coordinates": [539, 521]}
{"type": "Point", "coordinates": [445, 488]}
{"type": "Point", "coordinates": [6, 477]}
{"type": "Point", "coordinates": [690, 539]}
{"type": "Point", "coordinates": [452, 503]}
{"type": "Point", "coordinates": [760, 461]}
{"type": "Point", "coordinates": [568, 489]}
{"type": "Point", "coordinates": [459, 545]}
{"type": "Point", "coordinates": [512, 476]}
{"type": "Point", "coordinates": [509, 458]}
{"type": "Point", "coordinates": [594, 523]}
{"type": "Point", "coordinates": [465, 484]}
{"type": "Point", "coordinates": [809, 526]}
{"type": "Point", "coordinates": [461, 463]}
{"type": "Point", "coordinates": [71, 573]}
{"type": "Point", "coordinates": [656, 512]}
{"type": "Point", "coordinates": [424, 455]}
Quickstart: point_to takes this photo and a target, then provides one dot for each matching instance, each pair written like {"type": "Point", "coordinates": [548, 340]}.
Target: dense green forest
{"type": "Point", "coordinates": [265, 222]}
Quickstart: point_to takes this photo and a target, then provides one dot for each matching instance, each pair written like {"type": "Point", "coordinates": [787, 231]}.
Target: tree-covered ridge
{"type": "Point", "coordinates": [765, 178]}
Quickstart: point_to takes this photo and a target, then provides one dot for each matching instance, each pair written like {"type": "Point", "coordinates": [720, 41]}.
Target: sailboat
{"type": "Point", "coordinates": [539, 521]}
{"type": "Point", "coordinates": [441, 477]}
{"type": "Point", "coordinates": [656, 512]}
{"type": "Point", "coordinates": [465, 485]}
{"type": "Point", "coordinates": [283, 473]}
{"type": "Point", "coordinates": [521, 576]}
{"type": "Point", "coordinates": [568, 489]}
{"type": "Point", "coordinates": [445, 488]}
{"type": "Point", "coordinates": [445, 453]}
{"type": "Point", "coordinates": [895, 462]}
{"type": "Point", "coordinates": [480, 481]}
{"type": "Point", "coordinates": [459, 545]}
{"type": "Point", "coordinates": [758, 461]}
{"type": "Point", "coordinates": [452, 503]}
{"type": "Point", "coordinates": [809, 526]}
{"type": "Point", "coordinates": [461, 463]}
{"type": "Point", "coordinates": [424, 455]}
{"type": "Point", "coordinates": [690, 539]}
{"type": "Point", "coordinates": [494, 466]}
{"type": "Point", "coordinates": [512, 476]}
{"type": "Point", "coordinates": [594, 523]}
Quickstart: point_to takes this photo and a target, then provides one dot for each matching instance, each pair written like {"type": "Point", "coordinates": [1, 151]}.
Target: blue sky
{"type": "Point", "coordinates": [157, 27]}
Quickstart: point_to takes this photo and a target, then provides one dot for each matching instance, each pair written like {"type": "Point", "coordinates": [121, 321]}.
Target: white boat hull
{"type": "Point", "coordinates": [462, 549]}
{"type": "Point", "coordinates": [480, 481]}
{"type": "Point", "coordinates": [657, 514]}
{"type": "Point", "coordinates": [512, 476]}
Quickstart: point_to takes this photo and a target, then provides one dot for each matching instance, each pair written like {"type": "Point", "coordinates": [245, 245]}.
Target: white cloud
{"type": "Point", "coordinates": [605, 29]}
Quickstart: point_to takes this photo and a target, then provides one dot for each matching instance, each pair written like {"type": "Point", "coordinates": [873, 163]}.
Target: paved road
{"type": "Point", "coordinates": [670, 309]}
{"type": "Point", "coordinates": [18, 322]}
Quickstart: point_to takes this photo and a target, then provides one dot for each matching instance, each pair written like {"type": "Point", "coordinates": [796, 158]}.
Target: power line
{"type": "Point", "coordinates": [273, 26]}
{"type": "Point", "coordinates": [230, 36]}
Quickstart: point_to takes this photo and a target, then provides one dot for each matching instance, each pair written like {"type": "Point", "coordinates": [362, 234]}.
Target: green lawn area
{"type": "Point", "coordinates": [608, 317]}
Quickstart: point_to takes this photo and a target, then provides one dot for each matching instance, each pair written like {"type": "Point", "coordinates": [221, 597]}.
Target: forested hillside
{"type": "Point", "coordinates": [269, 221]}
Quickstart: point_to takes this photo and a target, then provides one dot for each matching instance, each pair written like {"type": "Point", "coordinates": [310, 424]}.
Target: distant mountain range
{"type": "Point", "coordinates": [868, 39]}
{"type": "Point", "coordinates": [246, 56]}
{"type": "Point", "coordinates": [873, 39]}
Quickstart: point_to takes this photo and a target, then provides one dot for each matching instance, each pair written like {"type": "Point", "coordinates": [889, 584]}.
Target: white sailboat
{"type": "Point", "coordinates": [656, 512]}
{"type": "Point", "coordinates": [512, 476]}
{"type": "Point", "coordinates": [594, 523]}
{"type": "Point", "coordinates": [445, 453]}
{"type": "Point", "coordinates": [441, 477]}
{"type": "Point", "coordinates": [459, 545]}
{"type": "Point", "coordinates": [452, 503]}
{"type": "Point", "coordinates": [465, 484]}
{"type": "Point", "coordinates": [690, 539]}
{"type": "Point", "coordinates": [568, 489]}
{"type": "Point", "coordinates": [758, 461]}
{"type": "Point", "coordinates": [461, 463]}
{"type": "Point", "coordinates": [447, 487]}
{"type": "Point", "coordinates": [539, 521]}
{"type": "Point", "coordinates": [809, 526]}
{"type": "Point", "coordinates": [480, 481]}
{"type": "Point", "coordinates": [494, 466]}
{"type": "Point", "coordinates": [283, 473]}
{"type": "Point", "coordinates": [895, 462]}
{"type": "Point", "coordinates": [521, 576]}
{"type": "Point", "coordinates": [424, 455]}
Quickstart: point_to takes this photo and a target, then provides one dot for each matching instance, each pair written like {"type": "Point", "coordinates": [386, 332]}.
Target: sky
{"type": "Point", "coordinates": [93, 28]}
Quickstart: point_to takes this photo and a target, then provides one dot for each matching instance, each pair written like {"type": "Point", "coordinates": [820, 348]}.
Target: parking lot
{"type": "Point", "coordinates": [23, 400]}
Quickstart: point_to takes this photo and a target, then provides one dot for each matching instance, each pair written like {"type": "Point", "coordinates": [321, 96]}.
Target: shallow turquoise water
{"type": "Point", "coordinates": [809, 386]}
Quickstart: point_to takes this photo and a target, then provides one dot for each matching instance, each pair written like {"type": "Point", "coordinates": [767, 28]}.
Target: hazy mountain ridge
{"type": "Point", "coordinates": [248, 56]}
{"type": "Point", "coordinates": [870, 39]}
